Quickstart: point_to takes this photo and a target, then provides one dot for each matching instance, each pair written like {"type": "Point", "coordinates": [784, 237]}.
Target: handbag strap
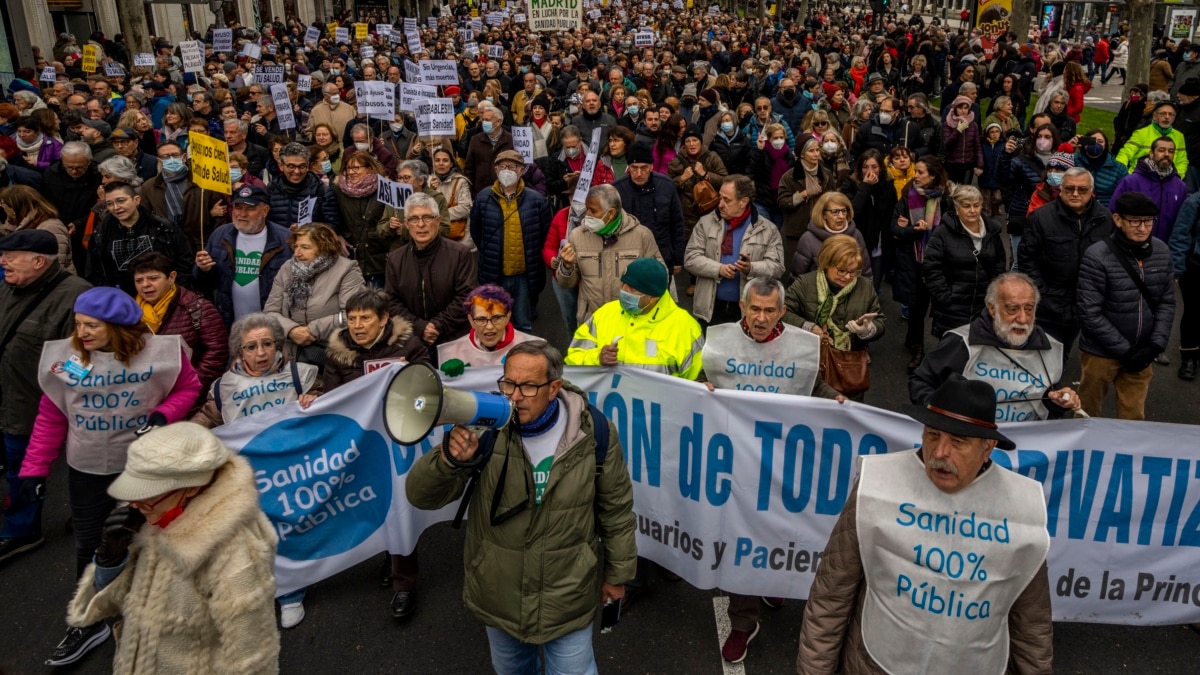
{"type": "Point", "coordinates": [37, 301]}
{"type": "Point", "coordinates": [1133, 276]}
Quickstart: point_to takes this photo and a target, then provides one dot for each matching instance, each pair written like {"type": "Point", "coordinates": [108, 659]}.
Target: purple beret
{"type": "Point", "coordinates": [109, 304]}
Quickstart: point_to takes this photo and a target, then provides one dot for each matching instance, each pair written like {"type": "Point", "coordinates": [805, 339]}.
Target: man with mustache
{"type": "Point", "coordinates": [890, 594]}
{"type": "Point", "coordinates": [1005, 348]}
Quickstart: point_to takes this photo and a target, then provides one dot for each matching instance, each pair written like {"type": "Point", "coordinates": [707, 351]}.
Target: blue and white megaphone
{"type": "Point", "coordinates": [417, 402]}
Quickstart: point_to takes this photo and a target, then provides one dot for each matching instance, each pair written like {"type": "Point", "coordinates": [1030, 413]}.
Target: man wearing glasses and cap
{"type": "Point", "coordinates": [884, 597]}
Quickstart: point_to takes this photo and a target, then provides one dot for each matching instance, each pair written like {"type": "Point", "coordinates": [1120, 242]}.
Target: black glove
{"type": "Point", "coordinates": [31, 491]}
{"type": "Point", "coordinates": [119, 528]}
{"type": "Point", "coordinates": [156, 419]}
{"type": "Point", "coordinates": [1139, 358]}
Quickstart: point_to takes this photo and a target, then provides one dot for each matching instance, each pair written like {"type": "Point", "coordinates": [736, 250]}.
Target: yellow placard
{"type": "Point", "coordinates": [474, 13]}
{"type": "Point", "coordinates": [210, 162]}
{"type": "Point", "coordinates": [332, 27]}
{"type": "Point", "coordinates": [360, 31]}
{"type": "Point", "coordinates": [89, 59]}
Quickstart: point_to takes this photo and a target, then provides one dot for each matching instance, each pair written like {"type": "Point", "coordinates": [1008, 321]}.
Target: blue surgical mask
{"type": "Point", "coordinates": [235, 175]}
{"type": "Point", "coordinates": [1054, 179]}
{"type": "Point", "coordinates": [630, 302]}
{"type": "Point", "coordinates": [634, 110]}
{"type": "Point", "coordinates": [173, 165]}
{"type": "Point", "coordinates": [327, 167]}
{"type": "Point", "coordinates": [487, 127]}
{"type": "Point", "coordinates": [727, 127]}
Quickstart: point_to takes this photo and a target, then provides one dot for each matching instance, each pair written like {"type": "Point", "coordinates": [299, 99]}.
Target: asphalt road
{"type": "Point", "coordinates": [670, 630]}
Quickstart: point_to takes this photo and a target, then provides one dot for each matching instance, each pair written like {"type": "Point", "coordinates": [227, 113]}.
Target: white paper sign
{"type": "Point", "coordinates": [476, 23]}
{"type": "Point", "coordinates": [410, 25]}
{"type": "Point", "coordinates": [312, 35]}
{"type": "Point", "coordinates": [589, 168]}
{"type": "Point", "coordinates": [411, 94]}
{"type": "Point", "coordinates": [412, 72]}
{"type": "Point", "coordinates": [342, 35]}
{"type": "Point", "coordinates": [268, 74]}
{"type": "Point", "coordinates": [48, 74]}
{"type": "Point", "coordinates": [192, 52]}
{"type": "Point", "coordinates": [439, 72]}
{"type": "Point", "coordinates": [252, 50]}
{"type": "Point", "coordinates": [143, 60]}
{"type": "Point", "coordinates": [113, 69]}
{"type": "Point", "coordinates": [272, 48]}
{"type": "Point", "coordinates": [304, 82]}
{"type": "Point", "coordinates": [391, 193]}
{"type": "Point", "coordinates": [522, 140]}
{"type": "Point", "coordinates": [283, 106]}
{"type": "Point", "coordinates": [435, 117]}
{"type": "Point", "coordinates": [304, 210]}
{"type": "Point", "coordinates": [471, 49]}
{"type": "Point", "coordinates": [384, 30]}
{"type": "Point", "coordinates": [432, 23]}
{"type": "Point", "coordinates": [495, 18]}
{"type": "Point", "coordinates": [643, 39]}
{"type": "Point", "coordinates": [519, 18]}
{"type": "Point", "coordinates": [495, 51]}
{"type": "Point", "coordinates": [376, 99]}
{"type": "Point", "coordinates": [466, 34]}
{"type": "Point", "coordinates": [366, 52]}
{"type": "Point", "coordinates": [223, 40]}
{"type": "Point", "coordinates": [678, 4]}
{"type": "Point", "coordinates": [414, 43]}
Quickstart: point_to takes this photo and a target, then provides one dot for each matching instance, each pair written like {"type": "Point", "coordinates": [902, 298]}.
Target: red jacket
{"type": "Point", "coordinates": [556, 235]}
{"type": "Point", "coordinates": [1101, 54]}
{"type": "Point", "coordinates": [1075, 99]}
{"type": "Point", "coordinates": [195, 319]}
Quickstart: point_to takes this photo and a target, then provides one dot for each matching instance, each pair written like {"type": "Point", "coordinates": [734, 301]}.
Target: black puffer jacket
{"type": "Point", "coordinates": [734, 152]}
{"type": "Point", "coordinates": [285, 202]}
{"type": "Point", "coordinates": [908, 270]}
{"type": "Point", "coordinates": [1019, 177]}
{"type": "Point", "coordinates": [656, 205]}
{"type": "Point", "coordinates": [1114, 317]}
{"type": "Point", "coordinates": [1054, 241]}
{"type": "Point", "coordinates": [873, 206]}
{"type": "Point", "coordinates": [957, 277]}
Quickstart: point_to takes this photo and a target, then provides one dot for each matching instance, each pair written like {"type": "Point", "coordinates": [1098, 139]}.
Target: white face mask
{"type": "Point", "coordinates": [829, 147]}
{"type": "Point", "coordinates": [593, 224]}
{"type": "Point", "coordinates": [362, 146]}
{"type": "Point", "coordinates": [778, 143]}
{"type": "Point", "coordinates": [334, 99]}
{"type": "Point", "coordinates": [571, 152]}
{"type": "Point", "coordinates": [885, 118]}
{"type": "Point", "coordinates": [508, 178]}
{"type": "Point", "coordinates": [396, 126]}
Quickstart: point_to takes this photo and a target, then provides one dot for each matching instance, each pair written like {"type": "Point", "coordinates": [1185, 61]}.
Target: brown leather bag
{"type": "Point", "coordinates": [705, 196]}
{"type": "Point", "coordinates": [458, 228]}
{"type": "Point", "coordinates": [847, 371]}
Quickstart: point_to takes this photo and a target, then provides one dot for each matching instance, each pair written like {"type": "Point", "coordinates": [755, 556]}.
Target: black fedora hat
{"type": "Point", "coordinates": [964, 408]}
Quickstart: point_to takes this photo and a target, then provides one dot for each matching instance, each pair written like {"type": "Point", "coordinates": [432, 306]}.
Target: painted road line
{"type": "Point", "coordinates": [721, 610]}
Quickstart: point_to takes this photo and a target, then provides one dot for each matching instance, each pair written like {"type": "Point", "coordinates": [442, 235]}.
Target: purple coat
{"type": "Point", "coordinates": [51, 149]}
{"type": "Point", "coordinates": [1169, 193]}
{"type": "Point", "coordinates": [962, 147]}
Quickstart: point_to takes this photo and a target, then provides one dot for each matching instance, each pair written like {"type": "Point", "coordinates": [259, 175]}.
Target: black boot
{"type": "Point", "coordinates": [1187, 369]}
{"type": "Point", "coordinates": [918, 355]}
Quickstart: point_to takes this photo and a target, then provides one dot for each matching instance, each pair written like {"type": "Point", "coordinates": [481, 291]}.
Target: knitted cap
{"type": "Point", "coordinates": [173, 457]}
{"type": "Point", "coordinates": [1061, 160]}
{"type": "Point", "coordinates": [647, 275]}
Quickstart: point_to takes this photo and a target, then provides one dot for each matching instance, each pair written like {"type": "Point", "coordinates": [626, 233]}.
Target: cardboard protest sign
{"type": "Point", "coordinates": [210, 162]}
{"type": "Point", "coordinates": [435, 117]}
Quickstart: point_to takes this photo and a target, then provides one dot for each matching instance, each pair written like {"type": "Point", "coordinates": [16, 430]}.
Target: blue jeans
{"type": "Point", "coordinates": [294, 596]}
{"type": "Point", "coordinates": [20, 520]}
{"type": "Point", "coordinates": [568, 302]}
{"type": "Point", "coordinates": [773, 214]}
{"type": "Point", "coordinates": [522, 313]}
{"type": "Point", "coordinates": [570, 654]}
{"type": "Point", "coordinates": [1016, 243]}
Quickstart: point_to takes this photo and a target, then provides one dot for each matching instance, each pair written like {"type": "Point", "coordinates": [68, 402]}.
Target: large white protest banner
{"type": "Point", "coordinates": [411, 94]}
{"type": "Point", "coordinates": [283, 106]}
{"type": "Point", "coordinates": [439, 72]}
{"type": "Point", "coordinates": [554, 15]}
{"type": "Point", "coordinates": [740, 490]}
{"type": "Point", "coordinates": [435, 117]}
{"type": "Point", "coordinates": [376, 99]}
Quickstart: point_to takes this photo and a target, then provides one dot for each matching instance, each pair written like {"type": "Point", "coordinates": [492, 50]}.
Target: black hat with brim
{"type": "Point", "coordinates": [963, 407]}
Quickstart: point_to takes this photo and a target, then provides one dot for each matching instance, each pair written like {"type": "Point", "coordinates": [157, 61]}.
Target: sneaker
{"type": "Point", "coordinates": [291, 614]}
{"type": "Point", "coordinates": [773, 603]}
{"type": "Point", "coordinates": [77, 643]}
{"type": "Point", "coordinates": [734, 649]}
{"type": "Point", "coordinates": [1162, 359]}
{"type": "Point", "coordinates": [15, 546]}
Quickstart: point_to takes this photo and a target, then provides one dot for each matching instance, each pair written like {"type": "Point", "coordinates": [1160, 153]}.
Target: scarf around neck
{"type": "Point", "coordinates": [177, 186]}
{"type": "Point", "coordinates": [827, 303]}
{"type": "Point", "coordinates": [299, 287]}
{"type": "Point", "coordinates": [730, 226]}
{"type": "Point", "coordinates": [924, 204]}
{"type": "Point", "coordinates": [154, 314]}
{"type": "Point", "coordinates": [359, 188]}
{"type": "Point", "coordinates": [36, 144]}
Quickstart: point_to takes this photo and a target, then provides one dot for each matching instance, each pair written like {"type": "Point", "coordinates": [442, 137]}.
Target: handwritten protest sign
{"type": "Point", "coordinates": [210, 162]}
{"type": "Point", "coordinates": [435, 117]}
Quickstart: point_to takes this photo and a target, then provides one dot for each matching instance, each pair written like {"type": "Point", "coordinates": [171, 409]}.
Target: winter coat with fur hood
{"type": "Point", "coordinates": [197, 597]}
{"type": "Point", "coordinates": [344, 359]}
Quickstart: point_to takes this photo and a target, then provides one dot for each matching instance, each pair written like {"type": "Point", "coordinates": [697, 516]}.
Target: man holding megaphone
{"type": "Point", "coordinates": [548, 500]}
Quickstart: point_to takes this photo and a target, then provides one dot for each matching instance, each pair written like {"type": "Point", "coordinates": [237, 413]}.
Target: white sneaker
{"type": "Point", "coordinates": [291, 614]}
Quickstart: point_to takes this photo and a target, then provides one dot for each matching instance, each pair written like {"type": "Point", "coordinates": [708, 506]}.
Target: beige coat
{"type": "Point", "coordinates": [678, 166]}
{"type": "Point", "coordinates": [331, 290]}
{"type": "Point", "coordinates": [702, 257]}
{"type": "Point", "coordinates": [338, 118]}
{"type": "Point", "coordinates": [831, 635]}
{"type": "Point", "coordinates": [598, 269]}
{"type": "Point", "coordinates": [196, 597]}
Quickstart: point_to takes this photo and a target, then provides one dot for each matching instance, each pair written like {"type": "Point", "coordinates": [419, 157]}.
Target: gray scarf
{"type": "Point", "coordinates": [177, 185]}
{"type": "Point", "coordinates": [299, 287]}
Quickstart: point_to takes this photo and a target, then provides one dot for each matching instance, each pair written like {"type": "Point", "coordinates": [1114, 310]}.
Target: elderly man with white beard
{"type": "Point", "coordinates": [1005, 348]}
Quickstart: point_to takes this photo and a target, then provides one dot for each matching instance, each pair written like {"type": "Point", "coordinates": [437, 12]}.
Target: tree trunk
{"type": "Point", "coordinates": [762, 11]}
{"type": "Point", "coordinates": [133, 25]}
{"type": "Point", "coordinates": [1141, 36]}
{"type": "Point", "coordinates": [1018, 19]}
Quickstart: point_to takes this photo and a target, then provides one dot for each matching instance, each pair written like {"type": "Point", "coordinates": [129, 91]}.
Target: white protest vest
{"type": "Point", "coordinates": [786, 365]}
{"type": "Point", "coordinates": [243, 395]}
{"type": "Point", "coordinates": [1015, 374]}
{"type": "Point", "coordinates": [466, 351]}
{"type": "Point", "coordinates": [943, 570]}
{"type": "Point", "coordinates": [107, 405]}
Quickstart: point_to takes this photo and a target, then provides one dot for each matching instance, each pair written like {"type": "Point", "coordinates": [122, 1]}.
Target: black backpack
{"type": "Point", "coordinates": [487, 444]}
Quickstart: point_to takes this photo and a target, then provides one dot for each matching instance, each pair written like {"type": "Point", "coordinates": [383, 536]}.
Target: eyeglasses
{"type": "Point", "coordinates": [837, 212]}
{"type": "Point", "coordinates": [295, 167]}
{"type": "Point", "coordinates": [428, 220]}
{"type": "Point", "coordinates": [820, 124]}
{"type": "Point", "coordinates": [1076, 190]}
{"type": "Point", "coordinates": [527, 389]}
{"type": "Point", "coordinates": [847, 273]}
{"type": "Point", "coordinates": [171, 155]}
{"type": "Point", "coordinates": [1139, 223]}
{"type": "Point", "coordinates": [265, 345]}
{"type": "Point", "coordinates": [496, 320]}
